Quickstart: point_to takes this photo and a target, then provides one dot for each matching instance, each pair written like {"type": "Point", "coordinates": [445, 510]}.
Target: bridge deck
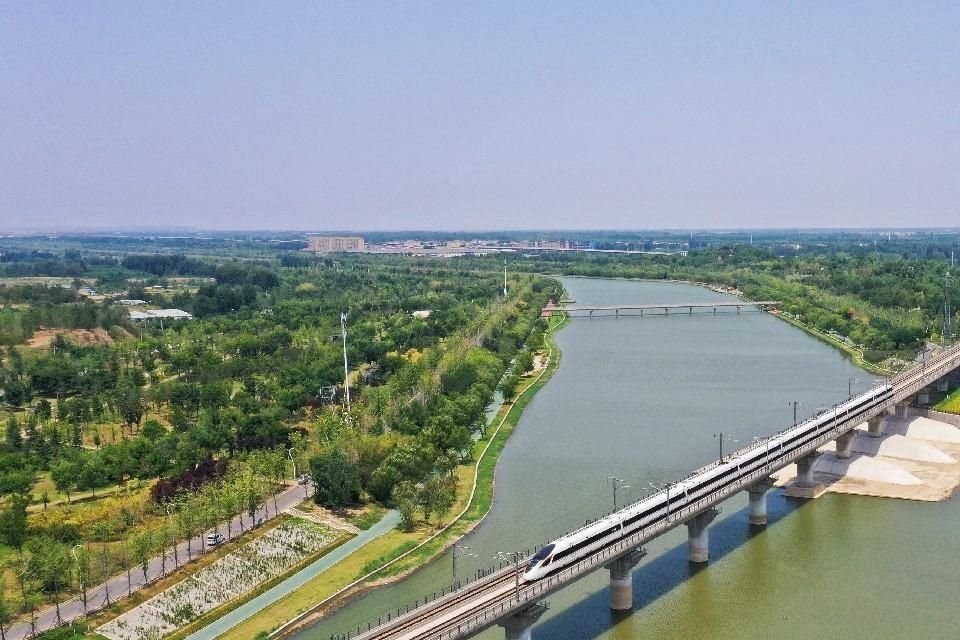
{"type": "Point", "coordinates": [654, 307]}
{"type": "Point", "coordinates": [484, 602]}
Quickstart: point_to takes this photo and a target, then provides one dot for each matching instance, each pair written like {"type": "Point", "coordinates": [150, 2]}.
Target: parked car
{"type": "Point", "coordinates": [213, 539]}
{"type": "Point", "coordinates": [304, 478]}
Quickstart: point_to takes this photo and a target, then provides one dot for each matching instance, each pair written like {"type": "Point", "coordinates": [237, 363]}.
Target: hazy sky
{"type": "Point", "coordinates": [449, 115]}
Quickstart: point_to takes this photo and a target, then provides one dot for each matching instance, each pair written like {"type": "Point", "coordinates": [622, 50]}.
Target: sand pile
{"type": "Point", "coordinates": [866, 469]}
{"type": "Point", "coordinates": [916, 459]}
{"type": "Point", "coordinates": [903, 447]}
{"type": "Point", "coordinates": [921, 428]}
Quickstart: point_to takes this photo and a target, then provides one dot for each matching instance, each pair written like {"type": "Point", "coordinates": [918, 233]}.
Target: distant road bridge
{"type": "Point", "coordinates": [502, 597]}
{"type": "Point", "coordinates": [666, 308]}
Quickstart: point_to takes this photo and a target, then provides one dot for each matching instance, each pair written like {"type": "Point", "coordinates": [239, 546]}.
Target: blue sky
{"type": "Point", "coordinates": [399, 115]}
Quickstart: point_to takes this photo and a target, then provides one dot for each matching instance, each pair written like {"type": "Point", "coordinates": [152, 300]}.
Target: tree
{"type": "Point", "coordinates": [141, 544]}
{"type": "Point", "coordinates": [131, 405]}
{"type": "Point", "coordinates": [13, 521]}
{"type": "Point", "coordinates": [508, 385]}
{"type": "Point", "coordinates": [44, 409]}
{"type": "Point", "coordinates": [437, 495]}
{"type": "Point", "coordinates": [6, 610]}
{"type": "Point", "coordinates": [405, 498]}
{"type": "Point", "coordinates": [92, 473]}
{"type": "Point", "coordinates": [336, 479]}
{"type": "Point", "coordinates": [14, 437]}
{"type": "Point", "coordinates": [65, 474]}
{"type": "Point", "coordinates": [84, 575]}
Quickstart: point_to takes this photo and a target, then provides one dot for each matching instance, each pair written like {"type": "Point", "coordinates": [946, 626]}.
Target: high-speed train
{"type": "Point", "coordinates": [574, 546]}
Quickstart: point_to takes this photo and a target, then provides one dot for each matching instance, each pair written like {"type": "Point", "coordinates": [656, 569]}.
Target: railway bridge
{"type": "Point", "coordinates": [501, 596]}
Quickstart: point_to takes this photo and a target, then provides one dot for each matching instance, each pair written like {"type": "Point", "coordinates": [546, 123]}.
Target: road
{"type": "Point", "coordinates": [119, 586]}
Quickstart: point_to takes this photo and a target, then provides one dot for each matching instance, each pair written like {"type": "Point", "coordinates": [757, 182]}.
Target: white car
{"type": "Point", "coordinates": [213, 539]}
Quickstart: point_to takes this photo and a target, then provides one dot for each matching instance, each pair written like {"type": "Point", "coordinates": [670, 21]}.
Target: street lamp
{"type": "Point", "coordinates": [83, 591]}
{"type": "Point", "coordinates": [460, 550]}
{"type": "Point", "coordinates": [176, 555]}
{"type": "Point", "coordinates": [516, 555]}
{"type": "Point", "coordinates": [617, 483]}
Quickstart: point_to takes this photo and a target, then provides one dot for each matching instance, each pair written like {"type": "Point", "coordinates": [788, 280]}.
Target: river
{"type": "Point", "coordinates": [642, 399]}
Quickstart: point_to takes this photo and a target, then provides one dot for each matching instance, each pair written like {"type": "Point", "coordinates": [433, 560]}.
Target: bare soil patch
{"type": "Point", "coordinates": [42, 338]}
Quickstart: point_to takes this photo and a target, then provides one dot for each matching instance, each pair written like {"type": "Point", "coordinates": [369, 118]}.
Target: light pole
{"type": "Point", "coordinates": [720, 436]}
{"type": "Point", "coordinates": [666, 486]}
{"type": "Point", "coordinates": [83, 591]}
{"type": "Point", "coordinates": [516, 555]}
{"type": "Point", "coordinates": [795, 405]}
{"type": "Point", "coordinates": [617, 483]}
{"type": "Point", "coordinates": [173, 534]}
{"type": "Point", "coordinates": [346, 371]}
{"type": "Point", "coordinates": [460, 550]}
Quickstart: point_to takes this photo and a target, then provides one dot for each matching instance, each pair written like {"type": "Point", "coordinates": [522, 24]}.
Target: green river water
{"type": "Point", "coordinates": [641, 399]}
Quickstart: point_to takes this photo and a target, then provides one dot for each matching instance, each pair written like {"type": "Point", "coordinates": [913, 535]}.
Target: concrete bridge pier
{"type": "Point", "coordinates": [518, 626]}
{"type": "Point", "coordinates": [758, 501]}
{"type": "Point", "coordinates": [923, 396]}
{"type": "Point", "coordinates": [900, 410]}
{"type": "Point", "coordinates": [845, 444]}
{"type": "Point", "coordinates": [621, 580]}
{"type": "Point", "coordinates": [698, 535]}
{"type": "Point", "coordinates": [804, 485]}
{"type": "Point", "coordinates": [875, 425]}
{"type": "Point", "coordinates": [943, 384]}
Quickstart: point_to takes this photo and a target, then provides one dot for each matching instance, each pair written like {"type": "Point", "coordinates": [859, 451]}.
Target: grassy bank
{"type": "Point", "coordinates": [856, 355]}
{"type": "Point", "coordinates": [398, 553]}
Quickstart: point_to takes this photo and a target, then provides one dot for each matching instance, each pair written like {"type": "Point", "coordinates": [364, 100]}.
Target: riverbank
{"type": "Point", "coordinates": [398, 553]}
{"type": "Point", "coordinates": [855, 353]}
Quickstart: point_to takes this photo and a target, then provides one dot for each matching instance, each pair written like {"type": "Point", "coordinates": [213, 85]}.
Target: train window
{"type": "Point", "coordinates": [543, 553]}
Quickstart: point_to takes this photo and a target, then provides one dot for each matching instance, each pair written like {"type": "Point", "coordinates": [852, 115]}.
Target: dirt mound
{"type": "Point", "coordinates": [42, 338]}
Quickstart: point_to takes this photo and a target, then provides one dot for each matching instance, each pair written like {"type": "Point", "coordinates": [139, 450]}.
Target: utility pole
{"type": "Point", "coordinates": [503, 555]}
{"type": "Point", "coordinates": [795, 405]}
{"type": "Point", "coordinates": [617, 483]}
{"type": "Point", "coordinates": [346, 371]}
{"type": "Point", "coordinates": [720, 436]}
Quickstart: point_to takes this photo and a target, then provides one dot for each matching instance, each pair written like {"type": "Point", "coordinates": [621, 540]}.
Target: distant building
{"type": "Point", "coordinates": [163, 314]}
{"type": "Point", "coordinates": [335, 244]}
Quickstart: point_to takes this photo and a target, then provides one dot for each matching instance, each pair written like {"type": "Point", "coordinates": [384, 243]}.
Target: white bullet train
{"type": "Point", "coordinates": [574, 546]}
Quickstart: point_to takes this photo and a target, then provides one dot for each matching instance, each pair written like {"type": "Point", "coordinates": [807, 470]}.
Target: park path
{"type": "Point", "coordinates": [297, 580]}
{"type": "Point", "coordinates": [121, 585]}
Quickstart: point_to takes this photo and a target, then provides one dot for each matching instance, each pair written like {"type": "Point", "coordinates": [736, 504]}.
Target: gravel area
{"type": "Point", "coordinates": [233, 575]}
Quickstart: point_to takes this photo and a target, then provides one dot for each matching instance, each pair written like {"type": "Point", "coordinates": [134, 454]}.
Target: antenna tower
{"type": "Point", "coordinates": [346, 371]}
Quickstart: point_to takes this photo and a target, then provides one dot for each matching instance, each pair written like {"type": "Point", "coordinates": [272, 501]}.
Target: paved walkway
{"type": "Point", "coordinates": [297, 580]}
{"type": "Point", "coordinates": [118, 586]}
